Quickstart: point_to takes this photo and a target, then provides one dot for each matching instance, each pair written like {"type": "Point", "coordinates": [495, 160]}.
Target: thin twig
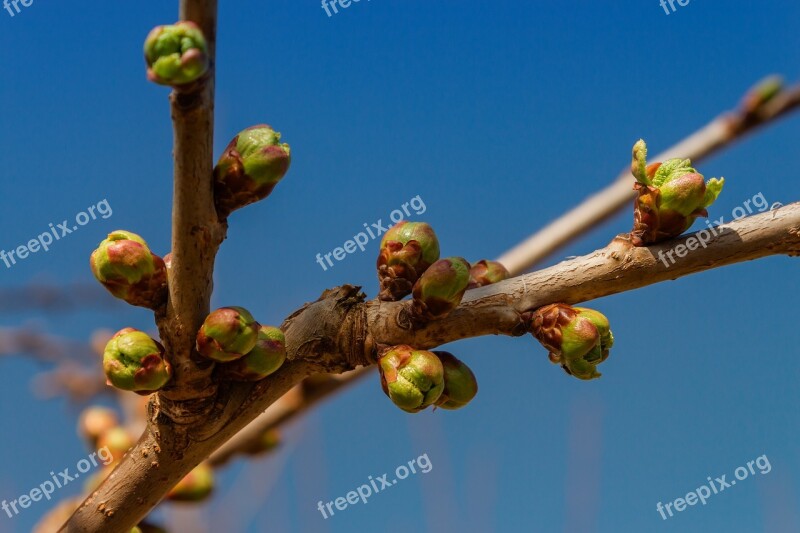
{"type": "Point", "coordinates": [298, 400]}
{"type": "Point", "coordinates": [717, 134]}
{"type": "Point", "coordinates": [48, 298]}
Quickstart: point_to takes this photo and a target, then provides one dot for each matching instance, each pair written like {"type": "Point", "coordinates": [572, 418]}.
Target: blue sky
{"type": "Point", "coordinates": [500, 116]}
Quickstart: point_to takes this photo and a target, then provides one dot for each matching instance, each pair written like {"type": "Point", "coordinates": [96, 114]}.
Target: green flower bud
{"type": "Point", "coordinates": [133, 361]}
{"type": "Point", "coordinates": [407, 250]}
{"type": "Point", "coordinates": [176, 54]}
{"type": "Point", "coordinates": [196, 486]}
{"type": "Point", "coordinates": [95, 421]}
{"type": "Point", "coordinates": [267, 441]}
{"type": "Point", "coordinates": [412, 379]}
{"type": "Point", "coordinates": [116, 441]}
{"type": "Point", "coordinates": [460, 385]}
{"type": "Point", "coordinates": [578, 338]}
{"type": "Point", "coordinates": [486, 272]}
{"type": "Point", "coordinates": [125, 266]}
{"type": "Point", "coordinates": [440, 288]}
{"type": "Point", "coordinates": [764, 91]}
{"type": "Point", "coordinates": [600, 352]}
{"type": "Point", "coordinates": [671, 195]}
{"type": "Point", "coordinates": [265, 358]}
{"type": "Point", "coordinates": [227, 334]}
{"type": "Point", "coordinates": [250, 167]}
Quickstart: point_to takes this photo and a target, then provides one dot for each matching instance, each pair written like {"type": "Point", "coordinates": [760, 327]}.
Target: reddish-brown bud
{"type": "Point", "coordinates": [486, 272]}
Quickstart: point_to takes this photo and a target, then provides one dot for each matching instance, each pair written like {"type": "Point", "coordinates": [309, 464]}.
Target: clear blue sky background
{"type": "Point", "coordinates": [500, 115]}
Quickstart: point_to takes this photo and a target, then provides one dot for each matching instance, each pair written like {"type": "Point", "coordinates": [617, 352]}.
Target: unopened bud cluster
{"type": "Point", "coordinates": [577, 338]}
{"type": "Point", "coordinates": [407, 250]}
{"type": "Point", "coordinates": [249, 350]}
{"type": "Point", "coordinates": [670, 197]}
{"type": "Point", "coordinates": [176, 54]}
{"type": "Point", "coordinates": [250, 167]}
{"type": "Point", "coordinates": [416, 379]}
{"type": "Point", "coordinates": [409, 263]}
{"type": "Point", "coordinates": [133, 361]}
{"type": "Point", "coordinates": [124, 264]}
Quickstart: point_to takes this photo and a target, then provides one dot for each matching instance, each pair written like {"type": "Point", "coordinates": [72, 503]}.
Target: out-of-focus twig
{"type": "Point", "coordinates": [79, 383]}
{"type": "Point", "coordinates": [77, 373]}
{"type": "Point", "coordinates": [296, 401]}
{"type": "Point", "coordinates": [31, 341]}
{"type": "Point", "coordinates": [47, 298]}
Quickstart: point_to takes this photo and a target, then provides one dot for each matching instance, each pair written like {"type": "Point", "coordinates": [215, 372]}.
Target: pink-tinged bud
{"type": "Point", "coordinates": [578, 338]}
{"type": "Point", "coordinates": [440, 288]}
{"type": "Point", "coordinates": [196, 486]}
{"type": "Point", "coordinates": [265, 358]}
{"type": "Point", "coordinates": [125, 266]}
{"type": "Point", "coordinates": [114, 444]}
{"type": "Point", "coordinates": [227, 334]}
{"type": "Point", "coordinates": [486, 272]}
{"type": "Point", "coordinates": [95, 421]}
{"type": "Point", "coordinates": [460, 385]}
{"type": "Point", "coordinates": [250, 167]}
{"type": "Point", "coordinates": [412, 379]}
{"type": "Point", "coordinates": [133, 361]}
{"type": "Point", "coordinates": [407, 250]}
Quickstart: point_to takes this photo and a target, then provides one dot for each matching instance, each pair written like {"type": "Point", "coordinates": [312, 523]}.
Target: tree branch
{"type": "Point", "coordinates": [339, 332]}
{"type": "Point", "coordinates": [196, 234]}
{"type": "Point", "coordinates": [714, 136]}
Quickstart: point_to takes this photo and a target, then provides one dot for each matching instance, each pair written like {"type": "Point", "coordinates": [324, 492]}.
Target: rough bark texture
{"type": "Point", "coordinates": [340, 331]}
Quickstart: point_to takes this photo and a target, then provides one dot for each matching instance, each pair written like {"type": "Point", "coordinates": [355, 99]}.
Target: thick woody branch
{"type": "Point", "coordinates": [340, 332]}
{"type": "Point", "coordinates": [196, 234]}
{"type": "Point", "coordinates": [711, 138]}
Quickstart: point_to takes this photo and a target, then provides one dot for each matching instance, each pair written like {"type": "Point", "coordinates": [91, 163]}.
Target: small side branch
{"type": "Point", "coordinates": [711, 138]}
